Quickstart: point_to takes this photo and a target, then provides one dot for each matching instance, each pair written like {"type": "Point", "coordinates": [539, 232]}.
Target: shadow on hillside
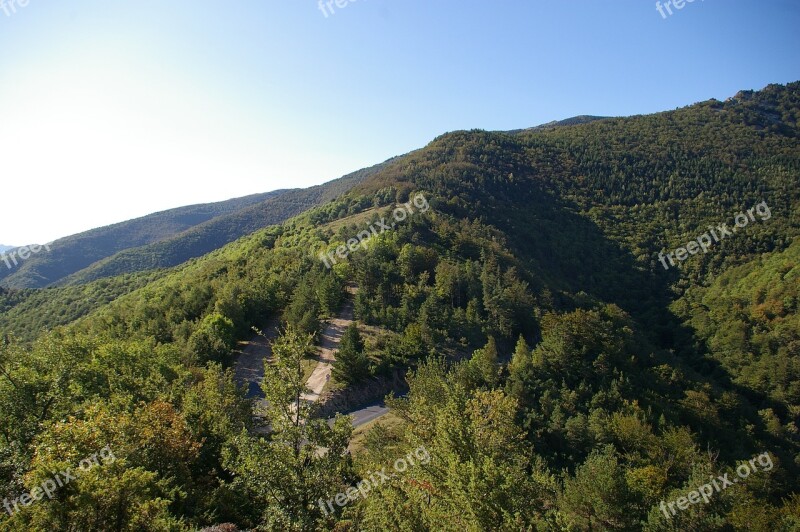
{"type": "Point", "coordinates": [571, 257]}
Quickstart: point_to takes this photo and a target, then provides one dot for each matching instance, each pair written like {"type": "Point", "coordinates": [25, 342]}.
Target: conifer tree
{"type": "Point", "coordinates": [352, 364]}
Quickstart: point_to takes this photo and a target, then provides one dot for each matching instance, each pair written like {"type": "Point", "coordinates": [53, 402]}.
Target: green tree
{"type": "Point", "coordinates": [519, 369]}
{"type": "Point", "coordinates": [329, 293]}
{"type": "Point", "coordinates": [213, 339]}
{"type": "Point", "coordinates": [484, 365]}
{"type": "Point", "coordinates": [352, 364]}
{"type": "Point", "coordinates": [142, 465]}
{"type": "Point", "coordinates": [303, 460]}
{"type": "Point", "coordinates": [304, 311]}
{"type": "Point", "coordinates": [597, 498]}
{"type": "Point", "coordinates": [480, 474]}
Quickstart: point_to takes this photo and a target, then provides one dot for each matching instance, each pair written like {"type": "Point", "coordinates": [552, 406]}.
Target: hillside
{"type": "Point", "coordinates": [76, 252]}
{"type": "Point", "coordinates": [167, 239]}
{"type": "Point", "coordinates": [215, 233]}
{"type": "Point", "coordinates": [28, 312]}
{"type": "Point", "coordinates": [559, 376]}
{"type": "Point", "coordinates": [575, 120]}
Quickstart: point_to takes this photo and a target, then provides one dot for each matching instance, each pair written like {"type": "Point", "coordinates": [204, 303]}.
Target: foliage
{"type": "Point", "coordinates": [598, 384]}
{"type": "Point", "coordinates": [352, 364]}
{"type": "Point", "coordinates": [302, 460]}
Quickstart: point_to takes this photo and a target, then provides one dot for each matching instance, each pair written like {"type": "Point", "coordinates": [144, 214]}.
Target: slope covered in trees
{"type": "Point", "coordinates": [78, 251]}
{"type": "Point", "coordinates": [170, 238]}
{"type": "Point", "coordinates": [560, 377]}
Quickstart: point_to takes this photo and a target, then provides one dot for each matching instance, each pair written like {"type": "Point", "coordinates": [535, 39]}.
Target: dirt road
{"type": "Point", "coordinates": [249, 365]}
{"type": "Point", "coordinates": [331, 337]}
{"type": "Point", "coordinates": [248, 369]}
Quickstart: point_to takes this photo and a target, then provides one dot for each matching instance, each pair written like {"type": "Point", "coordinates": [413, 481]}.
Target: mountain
{"type": "Point", "coordinates": [575, 120]}
{"type": "Point", "coordinates": [75, 252]}
{"type": "Point", "coordinates": [3, 248]}
{"type": "Point", "coordinates": [561, 373]}
{"type": "Point", "coordinates": [213, 234]}
{"type": "Point", "coordinates": [168, 238]}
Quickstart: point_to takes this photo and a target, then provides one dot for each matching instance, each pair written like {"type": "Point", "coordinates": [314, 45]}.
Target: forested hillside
{"type": "Point", "coordinates": [78, 251]}
{"type": "Point", "coordinates": [170, 238]}
{"type": "Point", "coordinates": [559, 377]}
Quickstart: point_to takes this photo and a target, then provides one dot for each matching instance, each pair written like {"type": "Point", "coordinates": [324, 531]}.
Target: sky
{"type": "Point", "coordinates": [113, 109]}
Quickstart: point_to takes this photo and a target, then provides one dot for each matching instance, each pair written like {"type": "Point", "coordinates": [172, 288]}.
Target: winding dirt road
{"type": "Point", "coordinates": [249, 365]}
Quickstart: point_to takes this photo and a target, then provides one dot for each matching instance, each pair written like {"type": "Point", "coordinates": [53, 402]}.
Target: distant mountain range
{"type": "Point", "coordinates": [168, 238]}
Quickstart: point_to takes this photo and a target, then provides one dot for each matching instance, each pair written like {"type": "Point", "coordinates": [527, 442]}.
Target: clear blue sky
{"type": "Point", "coordinates": [112, 109]}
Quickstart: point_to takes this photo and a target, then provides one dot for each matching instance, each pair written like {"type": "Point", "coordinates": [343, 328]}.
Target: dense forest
{"type": "Point", "coordinates": [557, 377]}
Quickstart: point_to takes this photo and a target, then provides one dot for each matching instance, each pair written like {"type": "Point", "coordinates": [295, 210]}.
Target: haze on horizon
{"type": "Point", "coordinates": [110, 112]}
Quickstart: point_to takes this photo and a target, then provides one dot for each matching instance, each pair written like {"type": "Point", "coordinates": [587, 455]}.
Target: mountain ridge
{"type": "Point", "coordinates": [196, 230]}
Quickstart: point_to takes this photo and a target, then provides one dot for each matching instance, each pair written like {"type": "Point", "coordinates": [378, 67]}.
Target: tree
{"type": "Point", "coordinates": [498, 312]}
{"type": "Point", "coordinates": [352, 364]}
{"type": "Point", "coordinates": [215, 412]}
{"type": "Point", "coordinates": [480, 476]}
{"type": "Point", "coordinates": [484, 365]}
{"type": "Point", "coordinates": [130, 469]}
{"type": "Point", "coordinates": [329, 293]}
{"type": "Point", "coordinates": [303, 460]}
{"type": "Point", "coordinates": [596, 497]}
{"type": "Point", "coordinates": [213, 339]}
{"type": "Point", "coordinates": [304, 310]}
{"type": "Point", "coordinates": [519, 369]}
